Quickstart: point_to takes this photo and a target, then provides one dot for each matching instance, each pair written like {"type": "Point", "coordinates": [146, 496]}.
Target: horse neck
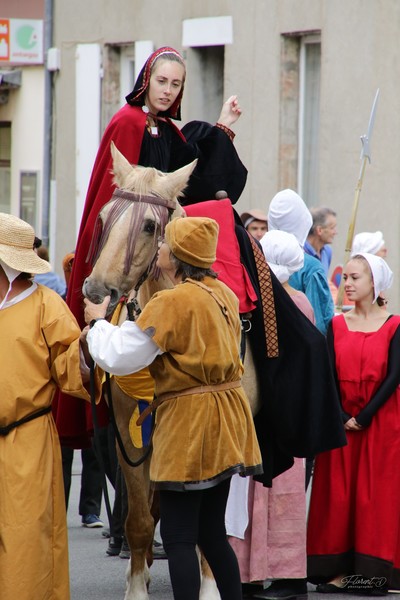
{"type": "Point", "coordinates": [150, 287]}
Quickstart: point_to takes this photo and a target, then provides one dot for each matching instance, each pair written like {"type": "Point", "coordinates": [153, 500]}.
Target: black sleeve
{"type": "Point", "coordinates": [219, 166]}
{"type": "Point", "coordinates": [331, 350]}
{"type": "Point", "coordinates": [387, 386]}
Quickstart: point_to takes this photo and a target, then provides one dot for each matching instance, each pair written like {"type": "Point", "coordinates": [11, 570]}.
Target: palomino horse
{"type": "Point", "coordinates": [124, 267]}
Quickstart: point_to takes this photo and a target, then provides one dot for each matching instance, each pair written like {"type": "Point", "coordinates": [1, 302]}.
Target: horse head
{"type": "Point", "coordinates": [125, 241]}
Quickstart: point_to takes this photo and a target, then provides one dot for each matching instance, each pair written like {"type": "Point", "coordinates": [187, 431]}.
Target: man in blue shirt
{"type": "Point", "coordinates": [322, 233]}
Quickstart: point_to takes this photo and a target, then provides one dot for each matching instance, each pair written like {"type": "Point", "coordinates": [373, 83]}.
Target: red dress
{"type": "Point", "coordinates": [354, 518]}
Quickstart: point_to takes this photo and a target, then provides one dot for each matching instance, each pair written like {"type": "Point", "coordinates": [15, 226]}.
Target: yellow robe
{"type": "Point", "coordinates": [199, 439]}
{"type": "Point", "coordinates": [39, 349]}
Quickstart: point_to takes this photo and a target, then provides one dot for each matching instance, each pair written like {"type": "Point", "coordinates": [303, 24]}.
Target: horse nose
{"type": "Point", "coordinates": [115, 296]}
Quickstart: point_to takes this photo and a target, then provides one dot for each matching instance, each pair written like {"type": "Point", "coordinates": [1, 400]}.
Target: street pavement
{"type": "Point", "coordinates": [96, 576]}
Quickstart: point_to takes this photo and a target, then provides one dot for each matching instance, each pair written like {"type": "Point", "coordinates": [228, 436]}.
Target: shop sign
{"type": "Point", "coordinates": [21, 41]}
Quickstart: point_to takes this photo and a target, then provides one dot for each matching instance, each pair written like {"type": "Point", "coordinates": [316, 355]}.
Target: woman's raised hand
{"type": "Point", "coordinates": [230, 112]}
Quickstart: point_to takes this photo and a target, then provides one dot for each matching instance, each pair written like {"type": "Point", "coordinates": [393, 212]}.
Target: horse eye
{"type": "Point", "coordinates": [149, 227]}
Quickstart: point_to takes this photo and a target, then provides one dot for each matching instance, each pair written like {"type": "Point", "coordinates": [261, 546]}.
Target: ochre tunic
{"type": "Point", "coordinates": [199, 438]}
{"type": "Point", "coordinates": [39, 349]}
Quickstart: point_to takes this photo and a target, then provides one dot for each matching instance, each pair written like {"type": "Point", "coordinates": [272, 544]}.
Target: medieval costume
{"type": "Point", "coordinates": [271, 541]}
{"type": "Point", "coordinates": [218, 168]}
{"type": "Point", "coordinates": [204, 429]}
{"type": "Point", "coordinates": [40, 351]}
{"type": "Point", "coordinates": [354, 520]}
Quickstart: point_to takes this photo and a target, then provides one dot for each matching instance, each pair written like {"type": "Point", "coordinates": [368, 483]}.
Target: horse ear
{"type": "Point", "coordinates": [177, 180]}
{"type": "Point", "coordinates": [121, 167]}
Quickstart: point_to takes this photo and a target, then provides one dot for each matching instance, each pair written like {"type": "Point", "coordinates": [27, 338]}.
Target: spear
{"type": "Point", "coordinates": [365, 156]}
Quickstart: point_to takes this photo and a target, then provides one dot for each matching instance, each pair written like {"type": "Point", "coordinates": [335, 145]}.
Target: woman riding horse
{"type": "Point", "coordinates": [144, 132]}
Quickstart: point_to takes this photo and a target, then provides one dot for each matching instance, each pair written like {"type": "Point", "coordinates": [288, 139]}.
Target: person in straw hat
{"type": "Point", "coordinates": [190, 338]}
{"type": "Point", "coordinates": [40, 350]}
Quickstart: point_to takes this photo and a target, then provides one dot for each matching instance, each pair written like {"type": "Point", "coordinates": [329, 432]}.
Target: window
{"type": "Point", "coordinates": [204, 91]}
{"type": "Point", "coordinates": [5, 167]}
{"type": "Point", "coordinates": [28, 196]}
{"type": "Point", "coordinates": [299, 115]}
{"type": "Point", "coordinates": [310, 76]}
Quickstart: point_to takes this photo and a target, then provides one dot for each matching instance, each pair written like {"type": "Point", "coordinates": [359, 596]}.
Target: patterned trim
{"type": "Point", "coordinates": [268, 302]}
{"type": "Point", "coordinates": [231, 134]}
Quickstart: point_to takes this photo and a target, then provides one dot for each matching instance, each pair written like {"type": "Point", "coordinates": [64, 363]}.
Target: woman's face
{"type": "Point", "coordinates": [358, 283]}
{"type": "Point", "coordinates": [166, 82]}
{"type": "Point", "coordinates": [382, 252]}
{"type": "Point", "coordinates": [164, 258]}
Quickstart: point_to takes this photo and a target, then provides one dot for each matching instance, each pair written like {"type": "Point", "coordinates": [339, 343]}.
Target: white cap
{"type": "Point", "coordinates": [283, 253]}
{"type": "Point", "coordinates": [382, 275]}
{"type": "Point", "coordinates": [367, 242]}
{"type": "Point", "coordinates": [288, 212]}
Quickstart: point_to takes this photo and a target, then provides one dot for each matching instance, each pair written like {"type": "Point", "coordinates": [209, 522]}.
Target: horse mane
{"type": "Point", "coordinates": [140, 181]}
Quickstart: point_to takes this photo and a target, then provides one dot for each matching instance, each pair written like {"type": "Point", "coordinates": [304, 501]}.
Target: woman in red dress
{"type": "Point", "coordinates": [354, 520]}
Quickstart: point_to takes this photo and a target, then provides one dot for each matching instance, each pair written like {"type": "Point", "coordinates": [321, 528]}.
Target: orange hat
{"type": "Point", "coordinates": [193, 240]}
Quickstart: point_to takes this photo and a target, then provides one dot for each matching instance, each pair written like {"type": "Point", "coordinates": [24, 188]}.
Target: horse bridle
{"type": "Point", "coordinates": [132, 306]}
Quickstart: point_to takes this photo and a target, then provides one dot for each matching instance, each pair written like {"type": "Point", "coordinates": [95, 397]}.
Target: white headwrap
{"type": "Point", "coordinates": [283, 253]}
{"type": "Point", "coordinates": [288, 212]}
{"type": "Point", "coordinates": [11, 274]}
{"type": "Point", "coordinates": [367, 242]}
{"type": "Point", "coordinates": [382, 276]}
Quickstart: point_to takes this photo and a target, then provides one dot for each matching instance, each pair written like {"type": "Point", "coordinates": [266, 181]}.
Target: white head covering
{"type": "Point", "coordinates": [11, 274]}
{"type": "Point", "coordinates": [283, 253]}
{"type": "Point", "coordinates": [288, 212]}
{"type": "Point", "coordinates": [382, 276]}
{"type": "Point", "coordinates": [367, 242]}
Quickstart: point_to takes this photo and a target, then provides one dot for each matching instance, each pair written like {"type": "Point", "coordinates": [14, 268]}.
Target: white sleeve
{"type": "Point", "coordinates": [121, 350]}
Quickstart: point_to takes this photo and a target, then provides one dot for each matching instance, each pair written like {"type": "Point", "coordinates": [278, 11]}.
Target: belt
{"type": "Point", "coordinates": [7, 428]}
{"type": "Point", "coordinates": [200, 389]}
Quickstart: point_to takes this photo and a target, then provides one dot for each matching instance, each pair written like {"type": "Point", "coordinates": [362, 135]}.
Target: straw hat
{"type": "Point", "coordinates": [16, 246]}
{"type": "Point", "coordinates": [193, 240]}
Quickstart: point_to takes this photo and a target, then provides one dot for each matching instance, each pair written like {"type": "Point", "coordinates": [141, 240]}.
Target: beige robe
{"type": "Point", "coordinates": [199, 438]}
{"type": "Point", "coordinates": [39, 349]}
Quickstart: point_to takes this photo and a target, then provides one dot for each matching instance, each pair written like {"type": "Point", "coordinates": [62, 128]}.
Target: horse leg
{"type": "Point", "coordinates": [208, 590]}
{"type": "Point", "coordinates": [139, 529]}
{"type": "Point", "coordinates": [139, 525]}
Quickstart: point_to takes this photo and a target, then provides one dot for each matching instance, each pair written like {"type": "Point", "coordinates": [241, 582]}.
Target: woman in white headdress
{"type": "Point", "coordinates": [372, 243]}
{"type": "Point", "coordinates": [269, 537]}
{"type": "Point", "coordinates": [288, 212]}
{"type": "Point", "coordinates": [366, 241]}
{"type": "Point", "coordinates": [285, 256]}
{"type": "Point", "coordinates": [354, 520]}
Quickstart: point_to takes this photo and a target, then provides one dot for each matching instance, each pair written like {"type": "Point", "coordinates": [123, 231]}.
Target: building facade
{"type": "Point", "coordinates": [306, 73]}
